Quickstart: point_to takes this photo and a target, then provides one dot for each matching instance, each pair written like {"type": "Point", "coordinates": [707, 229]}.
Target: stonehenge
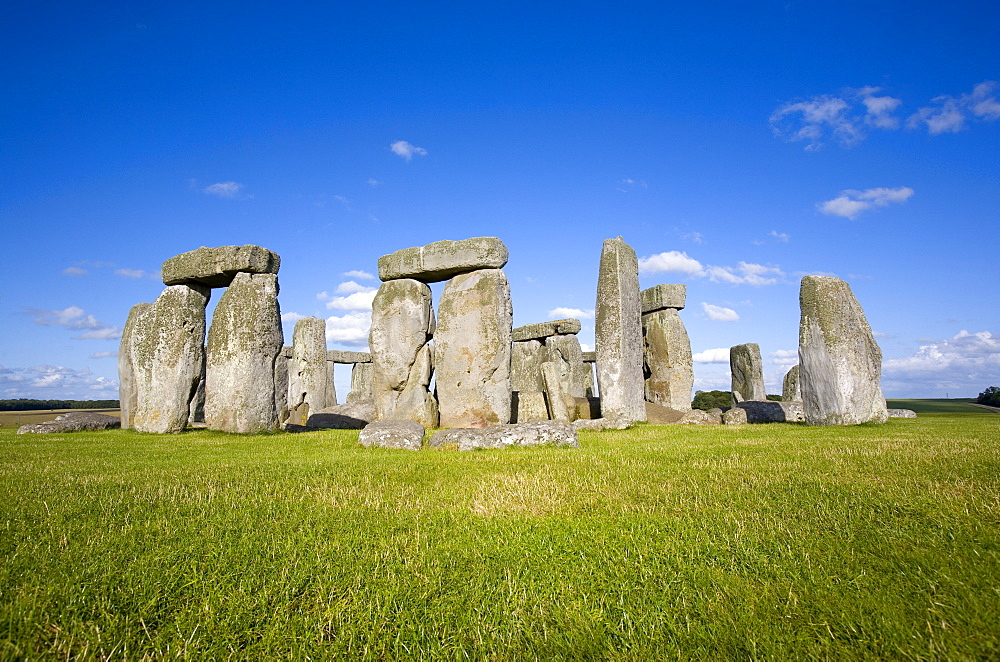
{"type": "Point", "coordinates": [461, 364]}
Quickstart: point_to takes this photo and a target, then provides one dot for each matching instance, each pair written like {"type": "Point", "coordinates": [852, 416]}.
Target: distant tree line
{"type": "Point", "coordinates": [990, 396]}
{"type": "Point", "coordinates": [718, 399]}
{"type": "Point", "coordinates": [25, 404]}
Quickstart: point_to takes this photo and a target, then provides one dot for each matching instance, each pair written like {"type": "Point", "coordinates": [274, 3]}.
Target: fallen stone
{"type": "Point", "coordinates": [167, 352]}
{"type": "Point", "coordinates": [528, 406]}
{"type": "Point", "coordinates": [244, 341]}
{"type": "Point", "coordinates": [443, 259]}
{"type": "Point", "coordinates": [536, 433]}
{"type": "Point", "coordinates": [343, 356]}
{"type": "Point", "coordinates": [619, 333]}
{"type": "Point", "coordinates": [662, 297]}
{"type": "Point", "coordinates": [351, 416]}
{"type": "Point", "coordinates": [699, 417]}
{"type": "Point", "coordinates": [790, 391]}
{"type": "Point", "coordinates": [72, 422]}
{"type": "Point", "coordinates": [472, 346]}
{"type": "Point", "coordinates": [598, 424]}
{"type": "Point", "coordinates": [217, 266]}
{"type": "Point", "coordinates": [545, 329]}
{"type": "Point", "coordinates": [669, 368]}
{"type": "Point", "coordinates": [840, 363]}
{"type": "Point", "coordinates": [662, 415]}
{"type": "Point", "coordinates": [748, 373]}
{"type": "Point", "coordinates": [398, 435]}
{"type": "Point", "coordinates": [735, 416]}
{"type": "Point", "coordinates": [901, 413]}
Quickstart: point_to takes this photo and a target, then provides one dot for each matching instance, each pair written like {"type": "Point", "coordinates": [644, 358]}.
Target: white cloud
{"type": "Point", "coordinates": [628, 184]}
{"type": "Point", "coordinates": [719, 314]}
{"type": "Point", "coordinates": [746, 273]}
{"type": "Point", "coordinates": [291, 317]}
{"type": "Point", "coordinates": [223, 189]}
{"type": "Point", "coordinates": [358, 300]}
{"type": "Point", "coordinates": [105, 333]}
{"type": "Point", "coordinates": [780, 236]}
{"type": "Point", "coordinates": [350, 329]}
{"type": "Point", "coordinates": [670, 261]}
{"type": "Point", "coordinates": [373, 182]}
{"type": "Point", "coordinates": [76, 272]}
{"type": "Point", "coordinates": [103, 355]}
{"type": "Point", "coordinates": [949, 114]}
{"type": "Point", "coordinates": [850, 203]}
{"type": "Point", "coordinates": [134, 273]}
{"type": "Point", "coordinates": [350, 287]}
{"type": "Point", "coordinates": [718, 355]}
{"type": "Point", "coordinates": [48, 381]}
{"type": "Point", "coordinates": [841, 119]}
{"type": "Point", "coordinates": [963, 364]}
{"type": "Point", "coordinates": [406, 150]}
{"type": "Point", "coordinates": [566, 313]}
{"type": "Point", "coordinates": [74, 317]}
{"type": "Point", "coordinates": [785, 358]}
{"type": "Point", "coordinates": [357, 273]}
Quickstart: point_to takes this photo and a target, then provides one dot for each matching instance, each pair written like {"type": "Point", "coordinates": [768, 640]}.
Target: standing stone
{"type": "Point", "coordinates": [309, 381]}
{"type": "Point", "coordinates": [748, 373]}
{"type": "Point", "coordinates": [588, 377]}
{"type": "Point", "coordinates": [558, 411]}
{"type": "Point", "coordinates": [840, 363]}
{"type": "Point", "coordinates": [402, 325]}
{"type": "Point", "coordinates": [473, 346]}
{"type": "Point", "coordinates": [669, 367]}
{"type": "Point", "coordinates": [362, 380]}
{"type": "Point", "coordinates": [790, 391]}
{"type": "Point", "coordinates": [528, 406]}
{"type": "Point", "coordinates": [244, 342]}
{"type": "Point", "coordinates": [127, 389]}
{"type": "Point", "coordinates": [565, 349]}
{"type": "Point", "coordinates": [281, 384]}
{"type": "Point", "coordinates": [526, 359]}
{"type": "Point", "coordinates": [196, 411]}
{"type": "Point", "coordinates": [619, 334]}
{"type": "Point", "coordinates": [167, 355]}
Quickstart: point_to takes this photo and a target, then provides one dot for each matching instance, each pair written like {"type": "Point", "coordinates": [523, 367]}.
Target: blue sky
{"type": "Point", "coordinates": [735, 146]}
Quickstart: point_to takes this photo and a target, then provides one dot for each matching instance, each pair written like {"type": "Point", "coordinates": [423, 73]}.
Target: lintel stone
{"type": "Point", "coordinates": [217, 266]}
{"type": "Point", "coordinates": [443, 259]}
{"type": "Point", "coordinates": [590, 357]}
{"type": "Point", "coordinates": [344, 356]}
{"type": "Point", "coordinates": [545, 329]}
{"type": "Point", "coordinates": [661, 297]}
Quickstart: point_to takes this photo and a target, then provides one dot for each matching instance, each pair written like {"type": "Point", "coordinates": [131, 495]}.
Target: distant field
{"type": "Point", "coordinates": [19, 418]}
{"type": "Point", "coordinates": [939, 406]}
{"type": "Point", "coordinates": [777, 541]}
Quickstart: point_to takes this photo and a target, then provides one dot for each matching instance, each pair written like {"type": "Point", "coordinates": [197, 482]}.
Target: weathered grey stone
{"type": "Point", "coordinates": [443, 259]}
{"type": "Point", "coordinates": [662, 415]}
{"type": "Point", "coordinates": [281, 384]}
{"type": "Point", "coordinates": [529, 406]}
{"type": "Point", "coordinates": [167, 354]}
{"type": "Point", "coordinates": [362, 383]}
{"type": "Point", "coordinates": [619, 333]}
{"type": "Point", "coordinates": [535, 433]}
{"type": "Point", "coordinates": [748, 373]}
{"type": "Point", "coordinates": [668, 363]}
{"type": "Point", "coordinates": [244, 341]}
{"type": "Point", "coordinates": [662, 297]}
{"type": "Point", "coordinates": [286, 351]}
{"type": "Point", "coordinates": [840, 363]}
{"type": "Point", "coordinates": [127, 388]}
{"type": "Point", "coordinates": [400, 435]}
{"type": "Point", "coordinates": [331, 386]}
{"type": "Point", "coordinates": [901, 413]}
{"type": "Point", "coordinates": [402, 325]}
{"type": "Point", "coordinates": [196, 410]}
{"type": "Point", "coordinates": [217, 266]}
{"type": "Point", "coordinates": [565, 350]}
{"type": "Point", "coordinates": [74, 421]}
{"type": "Point", "coordinates": [770, 411]}
{"type": "Point", "coordinates": [554, 393]}
{"type": "Point", "coordinates": [790, 391]}
{"type": "Point", "coordinates": [590, 357]}
{"type": "Point", "coordinates": [351, 416]}
{"type": "Point", "coordinates": [735, 416]}
{"type": "Point", "coordinates": [599, 424]}
{"type": "Point", "coordinates": [587, 408]}
{"type": "Point", "coordinates": [473, 346]}
{"type": "Point", "coordinates": [526, 359]}
{"type": "Point", "coordinates": [588, 379]}
{"type": "Point", "coordinates": [545, 329]}
{"type": "Point", "coordinates": [343, 356]}
{"type": "Point", "coordinates": [699, 417]}
{"type": "Point", "coordinates": [308, 380]}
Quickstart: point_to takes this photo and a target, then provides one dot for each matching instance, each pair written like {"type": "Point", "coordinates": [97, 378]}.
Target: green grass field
{"type": "Point", "coordinates": [752, 542]}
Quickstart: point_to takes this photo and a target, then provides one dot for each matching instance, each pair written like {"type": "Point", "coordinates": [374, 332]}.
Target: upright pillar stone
{"type": "Point", "coordinates": [558, 410]}
{"type": "Point", "coordinates": [669, 367]}
{"type": "Point", "coordinates": [402, 360]}
{"type": "Point", "coordinates": [167, 356]}
{"type": "Point", "coordinates": [473, 347]}
{"type": "Point", "coordinates": [619, 334]}
{"type": "Point", "coordinates": [790, 391]}
{"type": "Point", "coordinates": [526, 358]}
{"type": "Point", "coordinates": [565, 349]}
{"type": "Point", "coordinates": [362, 381]}
{"type": "Point", "coordinates": [244, 342]}
{"type": "Point", "coordinates": [309, 381]}
{"type": "Point", "coordinates": [748, 373]}
{"type": "Point", "coordinates": [127, 387]}
{"type": "Point", "coordinates": [840, 363]}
